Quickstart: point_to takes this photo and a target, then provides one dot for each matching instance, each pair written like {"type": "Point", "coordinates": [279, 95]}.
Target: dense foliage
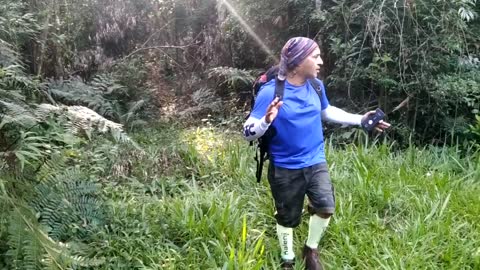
{"type": "Point", "coordinates": [117, 190]}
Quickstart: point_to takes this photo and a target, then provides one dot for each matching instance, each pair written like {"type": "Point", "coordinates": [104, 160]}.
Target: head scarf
{"type": "Point", "coordinates": [293, 53]}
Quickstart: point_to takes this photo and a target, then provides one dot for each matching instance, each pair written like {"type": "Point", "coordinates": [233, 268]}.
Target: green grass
{"type": "Point", "coordinates": [190, 201]}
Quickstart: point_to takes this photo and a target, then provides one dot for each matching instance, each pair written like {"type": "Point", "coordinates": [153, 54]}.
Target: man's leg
{"type": "Point", "coordinates": [320, 192]}
{"type": "Point", "coordinates": [288, 190]}
{"type": "Point", "coordinates": [317, 226]}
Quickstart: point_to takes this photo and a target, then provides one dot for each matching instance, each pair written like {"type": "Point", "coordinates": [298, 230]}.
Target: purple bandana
{"type": "Point", "coordinates": [293, 53]}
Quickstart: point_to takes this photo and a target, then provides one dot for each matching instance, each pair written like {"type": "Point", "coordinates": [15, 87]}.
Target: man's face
{"type": "Point", "coordinates": [310, 67]}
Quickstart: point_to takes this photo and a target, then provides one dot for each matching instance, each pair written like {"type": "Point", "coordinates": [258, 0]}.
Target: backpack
{"type": "Point", "coordinates": [262, 152]}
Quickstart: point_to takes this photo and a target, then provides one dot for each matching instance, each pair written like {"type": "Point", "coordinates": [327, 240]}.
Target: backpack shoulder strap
{"type": "Point", "coordinates": [316, 85]}
{"type": "Point", "coordinates": [279, 88]}
{"type": "Point", "coordinates": [265, 139]}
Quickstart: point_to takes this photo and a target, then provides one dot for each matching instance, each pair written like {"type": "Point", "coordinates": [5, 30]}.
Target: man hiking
{"type": "Point", "coordinates": [297, 159]}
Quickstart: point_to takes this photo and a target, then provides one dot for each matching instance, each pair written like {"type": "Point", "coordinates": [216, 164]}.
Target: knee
{"type": "Point", "coordinates": [320, 213]}
{"type": "Point", "coordinates": [324, 215]}
{"type": "Point", "coordinates": [289, 220]}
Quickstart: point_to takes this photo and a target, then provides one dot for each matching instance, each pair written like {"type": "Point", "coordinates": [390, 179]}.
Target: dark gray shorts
{"type": "Point", "coordinates": [289, 187]}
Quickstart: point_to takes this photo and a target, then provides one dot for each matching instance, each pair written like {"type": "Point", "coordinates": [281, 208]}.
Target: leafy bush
{"type": "Point", "coordinates": [475, 131]}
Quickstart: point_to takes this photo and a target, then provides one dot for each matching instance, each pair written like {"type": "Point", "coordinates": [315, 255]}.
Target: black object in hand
{"type": "Point", "coordinates": [372, 120]}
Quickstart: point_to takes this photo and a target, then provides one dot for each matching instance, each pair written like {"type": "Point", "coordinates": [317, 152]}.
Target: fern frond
{"type": "Point", "coordinates": [107, 84]}
{"type": "Point", "coordinates": [232, 76]}
{"type": "Point", "coordinates": [68, 205]}
{"type": "Point", "coordinates": [131, 119]}
{"type": "Point", "coordinates": [75, 92]}
{"type": "Point", "coordinates": [13, 77]}
{"type": "Point", "coordinates": [15, 109]}
{"type": "Point", "coordinates": [29, 247]}
{"type": "Point", "coordinates": [25, 121]}
{"type": "Point", "coordinates": [29, 148]}
{"type": "Point", "coordinates": [8, 55]}
{"type": "Point", "coordinates": [33, 254]}
{"type": "Point", "coordinates": [56, 163]}
{"type": "Point", "coordinates": [205, 100]}
{"type": "Point", "coordinates": [134, 107]}
{"type": "Point", "coordinates": [122, 137]}
{"type": "Point", "coordinates": [28, 244]}
{"type": "Point", "coordinates": [17, 237]}
{"type": "Point", "coordinates": [16, 114]}
{"type": "Point", "coordinates": [11, 95]}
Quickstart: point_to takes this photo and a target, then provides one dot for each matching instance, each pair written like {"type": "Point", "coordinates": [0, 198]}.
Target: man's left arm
{"type": "Point", "coordinates": [336, 115]}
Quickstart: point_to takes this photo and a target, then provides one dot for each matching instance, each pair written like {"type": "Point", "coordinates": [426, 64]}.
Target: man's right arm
{"type": "Point", "coordinates": [263, 113]}
{"type": "Point", "coordinates": [254, 128]}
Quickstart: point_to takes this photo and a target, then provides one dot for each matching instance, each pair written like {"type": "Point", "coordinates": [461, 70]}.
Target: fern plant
{"type": "Point", "coordinates": [15, 24]}
{"type": "Point", "coordinates": [204, 101]}
{"type": "Point", "coordinates": [28, 136]}
{"type": "Point", "coordinates": [103, 95]}
{"type": "Point", "coordinates": [24, 244]}
{"type": "Point", "coordinates": [232, 77]}
{"type": "Point", "coordinates": [68, 205]}
{"type": "Point", "coordinates": [16, 27]}
{"type": "Point", "coordinates": [28, 244]}
{"type": "Point", "coordinates": [29, 247]}
{"type": "Point", "coordinates": [17, 118]}
{"type": "Point", "coordinates": [19, 142]}
{"type": "Point", "coordinates": [35, 216]}
{"type": "Point", "coordinates": [76, 92]}
{"type": "Point", "coordinates": [132, 118]}
{"type": "Point", "coordinates": [63, 210]}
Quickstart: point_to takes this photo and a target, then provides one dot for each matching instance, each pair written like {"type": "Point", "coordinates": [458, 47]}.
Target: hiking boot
{"type": "Point", "coordinates": [312, 262]}
{"type": "Point", "coordinates": [287, 264]}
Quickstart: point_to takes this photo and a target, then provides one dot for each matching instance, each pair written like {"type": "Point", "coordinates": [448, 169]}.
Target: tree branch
{"type": "Point", "coordinates": [156, 47]}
